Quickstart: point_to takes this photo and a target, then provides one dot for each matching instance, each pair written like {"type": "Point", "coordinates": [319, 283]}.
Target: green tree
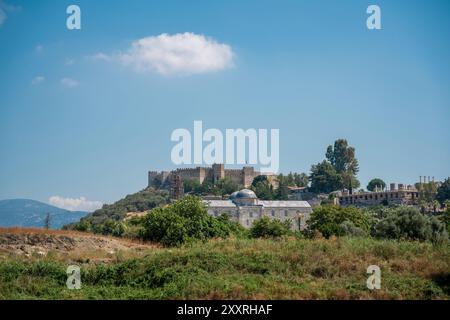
{"type": "Point", "coordinates": [342, 158]}
{"type": "Point", "coordinates": [83, 226]}
{"type": "Point", "coordinates": [185, 220]}
{"type": "Point", "coordinates": [446, 218]}
{"type": "Point", "coordinates": [290, 179]}
{"type": "Point", "coordinates": [427, 192]}
{"type": "Point", "coordinates": [447, 204]}
{"type": "Point", "coordinates": [191, 185]}
{"type": "Point", "coordinates": [301, 179]}
{"type": "Point", "coordinates": [260, 178]}
{"type": "Point", "coordinates": [282, 191]}
{"type": "Point", "coordinates": [265, 228]}
{"type": "Point", "coordinates": [333, 220]}
{"type": "Point", "coordinates": [47, 221]}
{"type": "Point", "coordinates": [262, 188]}
{"type": "Point", "coordinates": [436, 205]}
{"type": "Point", "coordinates": [138, 202]}
{"type": "Point", "coordinates": [226, 186]}
{"type": "Point", "coordinates": [376, 183]}
{"type": "Point", "coordinates": [324, 178]}
{"type": "Point", "coordinates": [443, 192]}
{"type": "Point", "coordinates": [409, 223]}
{"type": "Point", "coordinates": [207, 187]}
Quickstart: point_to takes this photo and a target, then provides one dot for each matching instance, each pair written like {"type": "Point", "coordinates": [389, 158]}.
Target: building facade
{"type": "Point", "coordinates": [244, 207]}
{"type": "Point", "coordinates": [243, 177]}
{"type": "Point", "coordinates": [401, 195]}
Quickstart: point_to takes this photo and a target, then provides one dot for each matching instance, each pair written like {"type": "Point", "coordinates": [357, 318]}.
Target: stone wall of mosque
{"type": "Point", "coordinates": [247, 215]}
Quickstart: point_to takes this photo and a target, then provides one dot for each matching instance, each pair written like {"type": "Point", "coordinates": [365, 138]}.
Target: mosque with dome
{"type": "Point", "coordinates": [244, 207]}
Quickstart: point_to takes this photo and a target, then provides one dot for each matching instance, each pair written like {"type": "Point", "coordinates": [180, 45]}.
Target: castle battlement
{"type": "Point", "coordinates": [243, 177]}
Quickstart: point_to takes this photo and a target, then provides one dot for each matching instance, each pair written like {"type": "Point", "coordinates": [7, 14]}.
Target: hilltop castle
{"type": "Point", "coordinates": [243, 177]}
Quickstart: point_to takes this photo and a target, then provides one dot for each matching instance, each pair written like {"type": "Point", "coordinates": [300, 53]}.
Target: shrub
{"type": "Point", "coordinates": [446, 219]}
{"type": "Point", "coordinates": [349, 229]}
{"type": "Point", "coordinates": [409, 223]}
{"type": "Point", "coordinates": [231, 227]}
{"type": "Point", "coordinates": [333, 220]}
{"type": "Point", "coordinates": [443, 192]}
{"type": "Point", "coordinates": [182, 221]}
{"type": "Point", "coordinates": [265, 227]}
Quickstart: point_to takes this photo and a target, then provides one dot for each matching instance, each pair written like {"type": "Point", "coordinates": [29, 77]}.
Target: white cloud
{"type": "Point", "coordinates": [101, 56]}
{"type": "Point", "coordinates": [181, 53]}
{"type": "Point", "coordinates": [4, 8]}
{"type": "Point", "coordinates": [77, 204]}
{"type": "Point", "coordinates": [37, 80]}
{"type": "Point", "coordinates": [69, 83]}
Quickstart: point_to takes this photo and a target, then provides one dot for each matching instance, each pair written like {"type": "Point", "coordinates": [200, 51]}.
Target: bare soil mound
{"type": "Point", "coordinates": [28, 242]}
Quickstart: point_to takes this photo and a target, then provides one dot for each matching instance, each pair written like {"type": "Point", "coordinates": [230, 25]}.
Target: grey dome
{"type": "Point", "coordinates": [246, 194]}
{"type": "Point", "coordinates": [233, 195]}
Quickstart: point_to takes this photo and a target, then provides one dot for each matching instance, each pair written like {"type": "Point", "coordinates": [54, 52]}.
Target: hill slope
{"type": "Point", "coordinates": [141, 201]}
{"type": "Point", "coordinates": [31, 213]}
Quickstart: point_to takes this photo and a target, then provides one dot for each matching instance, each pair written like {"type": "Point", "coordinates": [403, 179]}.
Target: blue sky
{"type": "Point", "coordinates": [309, 68]}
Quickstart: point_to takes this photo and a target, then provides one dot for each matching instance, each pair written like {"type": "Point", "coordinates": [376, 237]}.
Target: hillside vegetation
{"type": "Point", "coordinates": [107, 220]}
{"type": "Point", "coordinates": [283, 268]}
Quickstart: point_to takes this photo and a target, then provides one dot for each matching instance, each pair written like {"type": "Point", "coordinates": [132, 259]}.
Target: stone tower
{"type": "Point", "coordinates": [248, 173]}
{"type": "Point", "coordinates": [218, 171]}
{"type": "Point", "coordinates": [176, 187]}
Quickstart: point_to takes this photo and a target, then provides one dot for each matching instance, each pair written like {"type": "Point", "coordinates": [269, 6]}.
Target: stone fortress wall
{"type": "Point", "coordinates": [401, 195]}
{"type": "Point", "coordinates": [214, 173]}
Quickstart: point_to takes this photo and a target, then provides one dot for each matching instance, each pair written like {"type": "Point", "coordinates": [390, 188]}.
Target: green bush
{"type": "Point", "coordinates": [409, 223]}
{"type": "Point", "coordinates": [348, 228]}
{"type": "Point", "coordinates": [231, 227]}
{"type": "Point", "coordinates": [265, 228]}
{"type": "Point", "coordinates": [182, 221]}
{"type": "Point", "coordinates": [333, 220]}
{"type": "Point", "coordinates": [446, 219]}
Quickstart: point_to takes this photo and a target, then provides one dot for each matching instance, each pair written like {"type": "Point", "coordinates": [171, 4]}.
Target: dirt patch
{"type": "Point", "coordinates": [27, 242]}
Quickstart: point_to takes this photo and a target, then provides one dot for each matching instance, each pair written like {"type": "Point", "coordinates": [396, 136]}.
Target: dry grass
{"type": "Point", "coordinates": [287, 268]}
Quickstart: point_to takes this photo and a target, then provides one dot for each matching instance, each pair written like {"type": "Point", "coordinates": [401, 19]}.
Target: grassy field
{"type": "Point", "coordinates": [288, 268]}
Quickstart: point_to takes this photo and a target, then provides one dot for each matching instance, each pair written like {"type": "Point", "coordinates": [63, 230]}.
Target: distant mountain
{"type": "Point", "coordinates": [31, 213]}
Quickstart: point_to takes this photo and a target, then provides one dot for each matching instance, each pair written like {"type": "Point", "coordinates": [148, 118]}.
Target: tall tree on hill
{"type": "Point", "coordinates": [262, 188]}
{"type": "Point", "coordinates": [47, 221]}
{"type": "Point", "coordinates": [226, 186]}
{"type": "Point", "coordinates": [376, 183]}
{"type": "Point", "coordinates": [283, 190]}
{"type": "Point", "coordinates": [427, 191]}
{"type": "Point", "coordinates": [324, 178]}
{"type": "Point", "coordinates": [301, 179]}
{"type": "Point", "coordinates": [443, 192]}
{"type": "Point", "coordinates": [342, 158]}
